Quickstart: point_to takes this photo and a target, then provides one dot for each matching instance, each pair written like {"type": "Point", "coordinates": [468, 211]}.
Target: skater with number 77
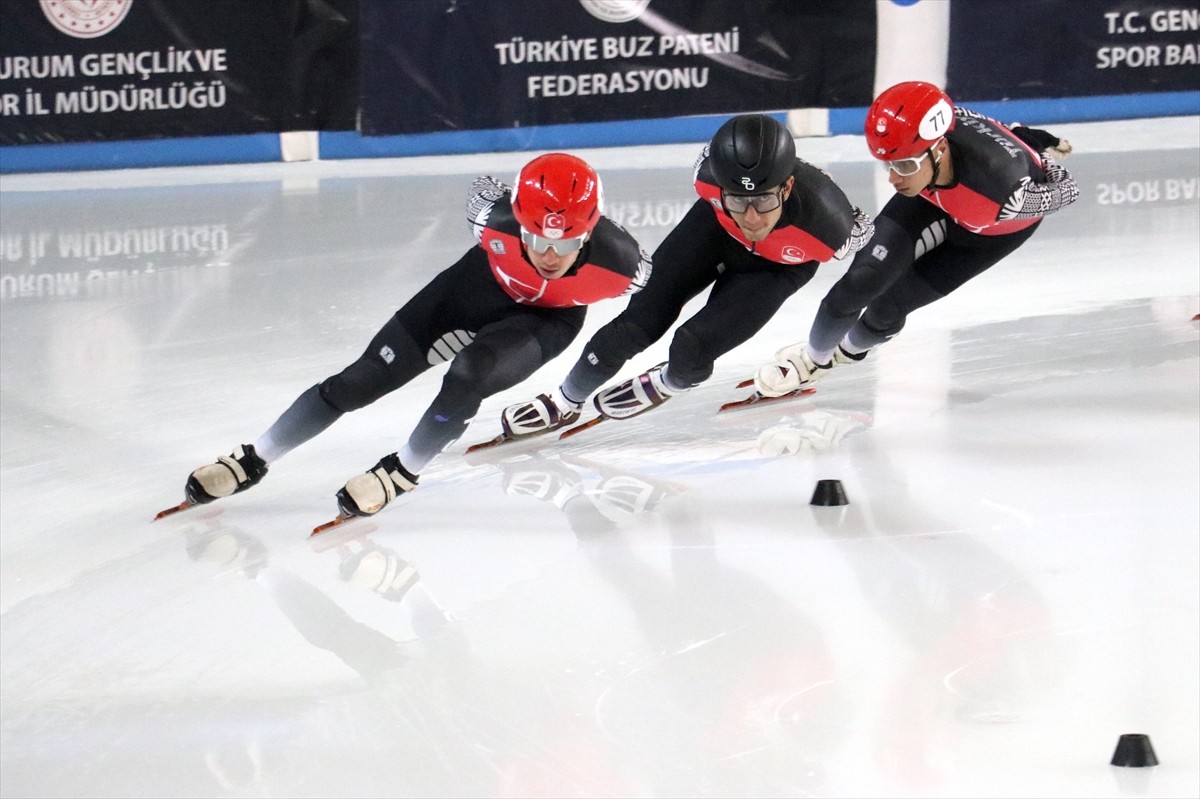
{"type": "Point", "coordinates": [969, 192]}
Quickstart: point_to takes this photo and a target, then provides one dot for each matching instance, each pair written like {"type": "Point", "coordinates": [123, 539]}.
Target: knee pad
{"type": "Point", "coordinates": [691, 361]}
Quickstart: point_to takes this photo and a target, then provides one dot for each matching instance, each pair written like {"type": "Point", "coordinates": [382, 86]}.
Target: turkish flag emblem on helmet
{"type": "Point", "coordinates": [553, 225]}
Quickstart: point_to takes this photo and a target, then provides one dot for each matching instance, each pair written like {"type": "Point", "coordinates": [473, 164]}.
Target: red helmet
{"type": "Point", "coordinates": [558, 196]}
{"type": "Point", "coordinates": [908, 119]}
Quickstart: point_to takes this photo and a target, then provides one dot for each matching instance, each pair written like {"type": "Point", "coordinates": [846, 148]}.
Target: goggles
{"type": "Point", "coordinates": [540, 244]}
{"type": "Point", "coordinates": [905, 167]}
{"type": "Point", "coordinates": [739, 203]}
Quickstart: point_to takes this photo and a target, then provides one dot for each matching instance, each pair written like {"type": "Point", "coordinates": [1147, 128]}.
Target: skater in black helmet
{"type": "Point", "coordinates": [969, 191]}
{"type": "Point", "coordinates": [503, 310]}
{"type": "Point", "coordinates": [763, 222]}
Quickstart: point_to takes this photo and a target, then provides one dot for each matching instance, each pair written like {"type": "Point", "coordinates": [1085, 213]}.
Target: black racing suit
{"type": "Point", "coordinates": [927, 246]}
{"type": "Point", "coordinates": [750, 280]}
{"type": "Point", "coordinates": [490, 314]}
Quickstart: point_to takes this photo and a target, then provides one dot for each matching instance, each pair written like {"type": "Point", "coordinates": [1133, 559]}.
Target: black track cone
{"type": "Point", "coordinates": [829, 492]}
{"type": "Point", "coordinates": [1134, 750]}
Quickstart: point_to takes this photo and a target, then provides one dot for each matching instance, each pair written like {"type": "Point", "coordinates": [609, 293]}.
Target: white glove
{"type": "Point", "coordinates": [1061, 150]}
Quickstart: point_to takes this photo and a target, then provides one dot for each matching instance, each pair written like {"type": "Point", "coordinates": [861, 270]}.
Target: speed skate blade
{"type": "Point", "coordinates": [494, 442]}
{"type": "Point", "coordinates": [341, 518]}
{"type": "Point", "coordinates": [579, 428]}
{"type": "Point", "coordinates": [757, 399]}
{"type": "Point", "coordinates": [162, 514]}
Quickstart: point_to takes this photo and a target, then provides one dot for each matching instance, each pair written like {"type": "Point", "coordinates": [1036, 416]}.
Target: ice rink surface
{"type": "Point", "coordinates": [650, 609]}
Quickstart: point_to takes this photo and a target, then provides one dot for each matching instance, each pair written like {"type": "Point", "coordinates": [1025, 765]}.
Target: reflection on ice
{"type": "Point", "coordinates": [652, 608]}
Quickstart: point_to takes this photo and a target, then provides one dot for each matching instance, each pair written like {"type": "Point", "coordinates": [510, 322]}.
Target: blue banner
{"type": "Point", "coordinates": [104, 70]}
{"type": "Point", "coordinates": [1072, 48]}
{"type": "Point", "coordinates": [443, 65]}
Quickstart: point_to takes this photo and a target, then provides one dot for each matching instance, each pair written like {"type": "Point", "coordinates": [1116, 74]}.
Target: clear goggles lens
{"type": "Point", "coordinates": [905, 167]}
{"type": "Point", "coordinates": [540, 244]}
{"type": "Point", "coordinates": [738, 203]}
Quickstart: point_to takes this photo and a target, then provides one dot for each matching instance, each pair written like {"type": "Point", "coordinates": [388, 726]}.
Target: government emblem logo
{"type": "Point", "coordinates": [85, 19]}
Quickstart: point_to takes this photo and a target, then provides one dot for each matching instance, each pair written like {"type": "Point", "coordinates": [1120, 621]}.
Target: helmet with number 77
{"type": "Point", "coordinates": [907, 119]}
{"type": "Point", "coordinates": [558, 196]}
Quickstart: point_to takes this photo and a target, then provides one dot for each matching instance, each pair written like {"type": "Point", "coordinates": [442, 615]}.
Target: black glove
{"type": "Point", "coordinates": [1043, 141]}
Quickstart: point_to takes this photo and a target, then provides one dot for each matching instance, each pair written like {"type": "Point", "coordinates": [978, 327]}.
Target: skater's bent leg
{"type": "Point", "coordinates": [605, 354]}
{"type": "Point", "coordinates": [874, 268]}
{"type": "Point", "coordinates": [690, 360]}
{"type": "Point", "coordinates": [390, 360]}
{"type": "Point", "coordinates": [885, 317]}
{"type": "Point", "coordinates": [306, 418]}
{"type": "Point", "coordinates": [739, 307]}
{"type": "Point", "coordinates": [495, 361]}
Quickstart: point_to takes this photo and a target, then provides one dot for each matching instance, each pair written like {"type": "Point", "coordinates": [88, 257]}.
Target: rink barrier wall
{"type": "Point", "coordinates": [267, 147]}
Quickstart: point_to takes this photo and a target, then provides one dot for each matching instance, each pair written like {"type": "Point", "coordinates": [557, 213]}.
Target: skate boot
{"type": "Point", "coordinates": [543, 413]}
{"type": "Point", "coordinates": [795, 369]}
{"type": "Point", "coordinates": [636, 396]}
{"type": "Point", "coordinates": [229, 475]}
{"type": "Point", "coordinates": [369, 493]}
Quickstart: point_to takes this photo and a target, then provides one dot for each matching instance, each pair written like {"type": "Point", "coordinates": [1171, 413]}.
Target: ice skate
{"type": "Point", "coordinates": [794, 369]}
{"type": "Point", "coordinates": [543, 413]}
{"type": "Point", "coordinates": [369, 493]}
{"type": "Point", "coordinates": [646, 391]}
{"type": "Point", "coordinates": [231, 474]}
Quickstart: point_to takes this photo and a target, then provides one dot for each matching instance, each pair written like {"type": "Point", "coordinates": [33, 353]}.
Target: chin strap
{"type": "Point", "coordinates": [936, 158]}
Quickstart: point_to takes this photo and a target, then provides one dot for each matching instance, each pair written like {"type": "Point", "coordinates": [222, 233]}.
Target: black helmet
{"type": "Point", "coordinates": [751, 153]}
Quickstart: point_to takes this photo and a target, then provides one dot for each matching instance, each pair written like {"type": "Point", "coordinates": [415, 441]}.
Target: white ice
{"type": "Point", "coordinates": [1013, 585]}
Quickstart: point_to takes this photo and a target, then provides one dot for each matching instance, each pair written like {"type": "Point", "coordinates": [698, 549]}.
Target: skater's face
{"type": "Point", "coordinates": [910, 176]}
{"type": "Point", "coordinates": [549, 264]}
{"type": "Point", "coordinates": [754, 223]}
